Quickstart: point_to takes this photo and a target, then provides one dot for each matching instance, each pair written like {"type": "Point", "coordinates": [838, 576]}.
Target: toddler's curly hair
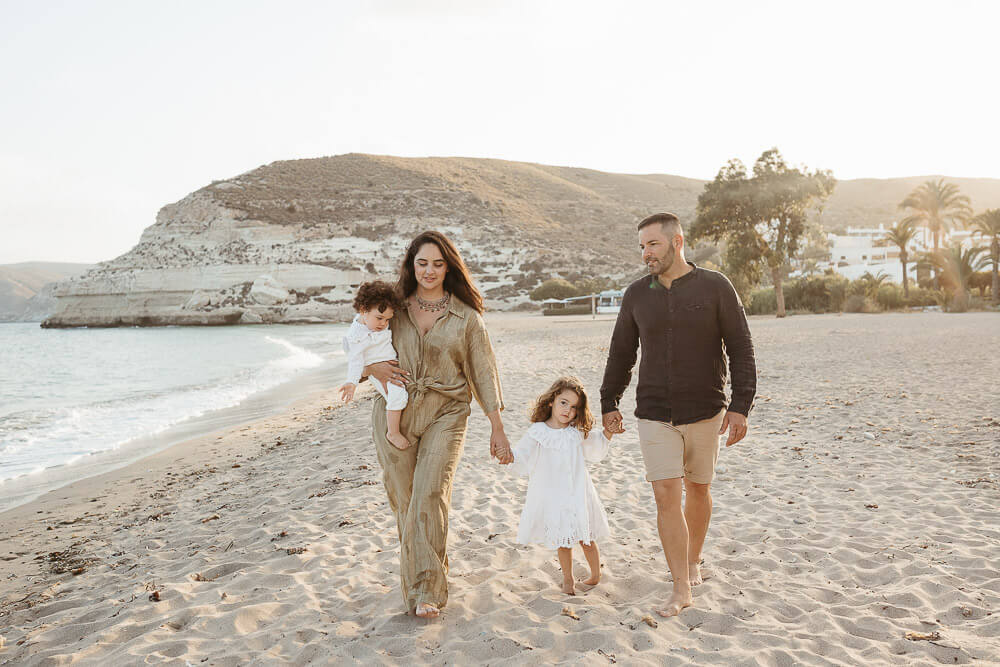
{"type": "Point", "coordinates": [377, 294]}
{"type": "Point", "coordinates": [542, 410]}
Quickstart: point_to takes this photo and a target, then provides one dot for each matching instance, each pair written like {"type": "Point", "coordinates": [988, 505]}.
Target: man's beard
{"type": "Point", "coordinates": [665, 263]}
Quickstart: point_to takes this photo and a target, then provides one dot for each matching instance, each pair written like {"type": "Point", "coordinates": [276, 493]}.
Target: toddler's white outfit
{"type": "Point", "coordinates": [562, 506]}
{"type": "Point", "coordinates": [364, 346]}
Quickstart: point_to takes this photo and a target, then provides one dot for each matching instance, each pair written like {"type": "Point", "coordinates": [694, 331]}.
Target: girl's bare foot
{"type": "Point", "coordinates": [398, 440]}
{"type": "Point", "coordinates": [594, 579]}
{"type": "Point", "coordinates": [568, 587]}
{"type": "Point", "coordinates": [694, 574]}
{"type": "Point", "coordinates": [674, 605]}
{"type": "Point", "coordinates": [425, 610]}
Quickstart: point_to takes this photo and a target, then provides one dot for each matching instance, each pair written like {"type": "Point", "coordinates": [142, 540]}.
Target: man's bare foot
{"type": "Point", "coordinates": [694, 574]}
{"type": "Point", "coordinates": [425, 610]}
{"type": "Point", "coordinates": [674, 605]}
{"type": "Point", "coordinates": [568, 587]}
{"type": "Point", "coordinates": [398, 440]}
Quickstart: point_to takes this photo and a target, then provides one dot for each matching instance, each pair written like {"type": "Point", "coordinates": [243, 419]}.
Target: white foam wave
{"type": "Point", "coordinates": [64, 436]}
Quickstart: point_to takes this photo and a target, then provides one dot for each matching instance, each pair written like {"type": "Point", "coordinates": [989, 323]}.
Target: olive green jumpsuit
{"type": "Point", "coordinates": [448, 366]}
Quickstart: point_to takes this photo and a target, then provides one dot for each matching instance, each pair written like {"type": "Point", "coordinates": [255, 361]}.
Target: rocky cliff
{"type": "Point", "coordinates": [290, 241]}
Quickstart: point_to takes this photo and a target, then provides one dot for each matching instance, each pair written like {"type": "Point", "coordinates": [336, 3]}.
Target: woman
{"type": "Point", "coordinates": [443, 346]}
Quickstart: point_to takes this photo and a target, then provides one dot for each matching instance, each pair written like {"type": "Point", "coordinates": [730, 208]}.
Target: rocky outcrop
{"type": "Point", "coordinates": [291, 241]}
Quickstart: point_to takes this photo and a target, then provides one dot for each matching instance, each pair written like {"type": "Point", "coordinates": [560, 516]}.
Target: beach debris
{"type": "Point", "coordinates": [492, 535]}
{"type": "Point", "coordinates": [279, 536]}
{"type": "Point", "coordinates": [923, 636]}
{"type": "Point", "coordinates": [566, 611]}
{"type": "Point", "coordinates": [872, 506]}
{"type": "Point", "coordinates": [229, 546]}
{"type": "Point", "coordinates": [197, 577]}
{"type": "Point", "coordinates": [966, 612]}
{"type": "Point", "coordinates": [650, 621]}
{"type": "Point", "coordinates": [210, 518]}
{"type": "Point", "coordinates": [70, 523]}
{"type": "Point", "coordinates": [78, 571]}
{"type": "Point", "coordinates": [610, 656]}
{"type": "Point", "coordinates": [237, 465]}
{"type": "Point", "coordinates": [345, 522]}
{"type": "Point", "coordinates": [292, 551]}
{"type": "Point", "coordinates": [869, 436]}
{"type": "Point", "coordinates": [154, 596]}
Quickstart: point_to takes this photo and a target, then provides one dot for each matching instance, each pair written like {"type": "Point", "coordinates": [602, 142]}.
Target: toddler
{"type": "Point", "coordinates": [562, 506]}
{"type": "Point", "coordinates": [369, 340]}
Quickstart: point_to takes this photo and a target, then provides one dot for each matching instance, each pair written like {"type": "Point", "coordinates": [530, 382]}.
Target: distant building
{"type": "Point", "coordinates": [607, 302]}
{"type": "Point", "coordinates": [867, 249]}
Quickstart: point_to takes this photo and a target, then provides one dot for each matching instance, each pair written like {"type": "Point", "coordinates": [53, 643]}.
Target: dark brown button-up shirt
{"type": "Point", "coordinates": [682, 331]}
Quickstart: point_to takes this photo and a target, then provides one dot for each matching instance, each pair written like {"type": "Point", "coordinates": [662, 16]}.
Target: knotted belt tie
{"type": "Point", "coordinates": [457, 391]}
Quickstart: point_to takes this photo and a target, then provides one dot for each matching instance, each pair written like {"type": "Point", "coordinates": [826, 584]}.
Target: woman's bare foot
{"type": "Point", "coordinates": [674, 605]}
{"type": "Point", "coordinates": [568, 587]}
{"type": "Point", "coordinates": [425, 610]}
{"type": "Point", "coordinates": [694, 574]}
{"type": "Point", "coordinates": [398, 440]}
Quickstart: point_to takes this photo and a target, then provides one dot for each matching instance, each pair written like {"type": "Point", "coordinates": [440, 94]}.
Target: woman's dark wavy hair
{"type": "Point", "coordinates": [457, 280]}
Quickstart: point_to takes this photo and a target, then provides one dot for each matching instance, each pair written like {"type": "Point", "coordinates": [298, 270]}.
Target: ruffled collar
{"type": "Point", "coordinates": [359, 332]}
{"type": "Point", "coordinates": [555, 438]}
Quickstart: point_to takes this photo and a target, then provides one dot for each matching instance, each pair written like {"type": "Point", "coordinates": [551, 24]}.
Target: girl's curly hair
{"type": "Point", "coordinates": [377, 294]}
{"type": "Point", "coordinates": [542, 410]}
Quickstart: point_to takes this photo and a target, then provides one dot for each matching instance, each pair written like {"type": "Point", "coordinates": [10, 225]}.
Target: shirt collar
{"type": "Point", "coordinates": [654, 283]}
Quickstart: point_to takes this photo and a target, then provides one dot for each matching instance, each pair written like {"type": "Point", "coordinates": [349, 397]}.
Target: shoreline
{"type": "Point", "coordinates": [860, 508]}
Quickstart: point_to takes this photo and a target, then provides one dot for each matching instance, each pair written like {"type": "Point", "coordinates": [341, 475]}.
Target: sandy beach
{"type": "Point", "coordinates": [863, 506]}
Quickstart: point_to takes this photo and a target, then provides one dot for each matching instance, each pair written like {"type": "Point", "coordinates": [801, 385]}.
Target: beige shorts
{"type": "Point", "coordinates": [689, 450]}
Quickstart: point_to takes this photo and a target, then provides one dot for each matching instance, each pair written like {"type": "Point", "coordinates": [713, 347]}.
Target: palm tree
{"type": "Point", "coordinates": [872, 283]}
{"type": "Point", "coordinates": [938, 206]}
{"type": "Point", "coordinates": [902, 235]}
{"type": "Point", "coordinates": [958, 264]}
{"type": "Point", "coordinates": [987, 225]}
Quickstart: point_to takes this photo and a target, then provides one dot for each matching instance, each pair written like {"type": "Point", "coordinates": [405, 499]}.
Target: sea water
{"type": "Point", "coordinates": [76, 402]}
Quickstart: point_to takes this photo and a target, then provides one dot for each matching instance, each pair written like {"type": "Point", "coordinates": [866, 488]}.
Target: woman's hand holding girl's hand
{"type": "Point", "coordinates": [500, 446]}
{"type": "Point", "coordinates": [386, 372]}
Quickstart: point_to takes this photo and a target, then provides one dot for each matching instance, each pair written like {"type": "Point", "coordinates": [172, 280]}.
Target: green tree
{"type": "Point", "coordinates": [762, 217]}
{"type": "Point", "coordinates": [557, 288]}
{"type": "Point", "coordinates": [987, 225]}
{"type": "Point", "coordinates": [939, 206]}
{"type": "Point", "coordinates": [902, 234]}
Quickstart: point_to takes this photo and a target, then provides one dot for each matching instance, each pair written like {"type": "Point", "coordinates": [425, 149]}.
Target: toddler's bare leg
{"type": "Point", "coordinates": [593, 557]}
{"type": "Point", "coordinates": [397, 439]}
{"type": "Point", "coordinates": [566, 563]}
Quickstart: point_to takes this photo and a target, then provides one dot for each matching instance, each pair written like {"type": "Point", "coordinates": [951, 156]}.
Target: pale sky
{"type": "Point", "coordinates": [112, 109]}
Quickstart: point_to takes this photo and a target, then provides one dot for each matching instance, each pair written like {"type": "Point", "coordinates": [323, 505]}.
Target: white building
{"type": "Point", "coordinates": [867, 249]}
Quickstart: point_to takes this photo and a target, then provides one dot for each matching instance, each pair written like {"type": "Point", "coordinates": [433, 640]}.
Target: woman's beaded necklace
{"type": "Point", "coordinates": [434, 306]}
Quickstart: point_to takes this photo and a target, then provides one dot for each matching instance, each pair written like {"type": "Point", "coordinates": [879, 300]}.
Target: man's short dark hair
{"type": "Point", "coordinates": [665, 220]}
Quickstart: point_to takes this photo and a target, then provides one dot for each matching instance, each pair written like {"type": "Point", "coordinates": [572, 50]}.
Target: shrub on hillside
{"type": "Point", "coordinates": [557, 288]}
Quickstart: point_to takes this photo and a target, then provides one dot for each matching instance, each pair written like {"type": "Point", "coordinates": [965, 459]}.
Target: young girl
{"type": "Point", "coordinates": [370, 340]}
{"type": "Point", "coordinates": [562, 506]}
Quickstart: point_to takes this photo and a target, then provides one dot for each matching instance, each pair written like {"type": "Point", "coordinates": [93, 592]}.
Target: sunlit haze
{"type": "Point", "coordinates": [113, 109]}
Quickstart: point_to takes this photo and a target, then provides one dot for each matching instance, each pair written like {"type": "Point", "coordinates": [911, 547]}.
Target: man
{"type": "Point", "coordinates": [681, 315]}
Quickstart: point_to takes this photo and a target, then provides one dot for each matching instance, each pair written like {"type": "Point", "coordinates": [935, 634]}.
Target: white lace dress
{"type": "Point", "coordinates": [562, 506]}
